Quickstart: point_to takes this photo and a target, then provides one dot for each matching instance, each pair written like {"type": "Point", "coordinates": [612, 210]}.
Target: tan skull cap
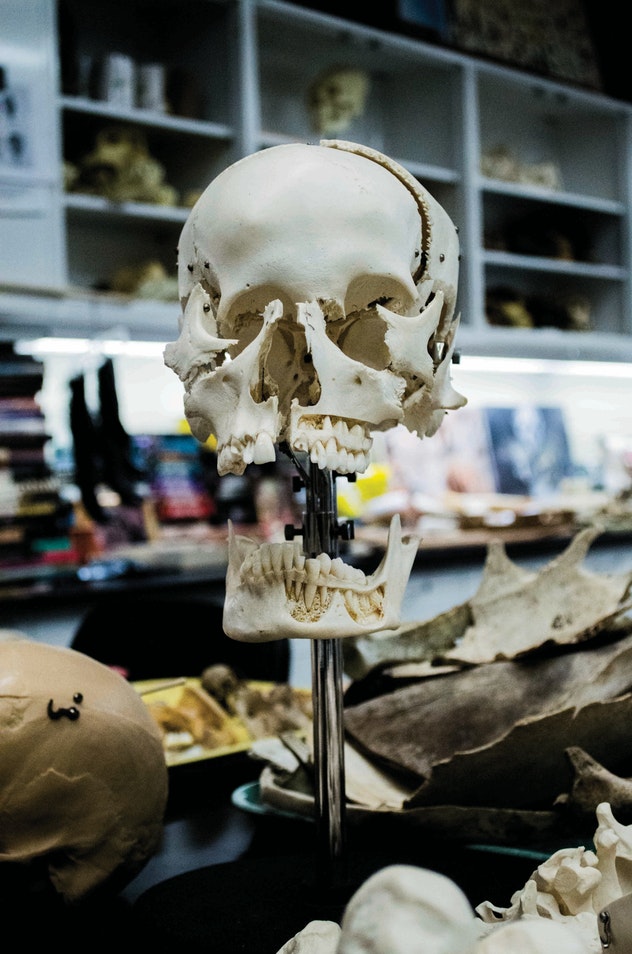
{"type": "Point", "coordinates": [83, 777]}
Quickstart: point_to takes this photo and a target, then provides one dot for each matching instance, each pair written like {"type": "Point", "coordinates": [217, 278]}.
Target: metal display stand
{"type": "Point", "coordinates": [321, 533]}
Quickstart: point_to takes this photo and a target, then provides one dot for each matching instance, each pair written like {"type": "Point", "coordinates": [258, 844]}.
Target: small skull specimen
{"type": "Point", "coordinates": [83, 777]}
{"type": "Point", "coordinates": [336, 98]}
{"type": "Point", "coordinates": [318, 287]}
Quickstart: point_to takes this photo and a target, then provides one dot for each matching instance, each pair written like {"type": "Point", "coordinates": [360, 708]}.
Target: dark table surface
{"type": "Point", "coordinates": [227, 881]}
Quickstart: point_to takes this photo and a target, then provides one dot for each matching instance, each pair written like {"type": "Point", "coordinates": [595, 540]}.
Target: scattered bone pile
{"type": "Point", "coordinates": [529, 679]}
{"type": "Point", "coordinates": [571, 901]}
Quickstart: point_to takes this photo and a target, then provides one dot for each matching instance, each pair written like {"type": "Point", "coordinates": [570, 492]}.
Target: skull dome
{"type": "Point", "coordinates": [318, 286]}
{"type": "Point", "coordinates": [83, 777]}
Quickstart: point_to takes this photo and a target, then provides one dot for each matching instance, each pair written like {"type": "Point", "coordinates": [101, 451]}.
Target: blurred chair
{"type": "Point", "coordinates": [148, 638]}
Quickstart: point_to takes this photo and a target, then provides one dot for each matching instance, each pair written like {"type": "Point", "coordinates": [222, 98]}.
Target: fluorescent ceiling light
{"type": "Point", "coordinates": [514, 366]}
{"type": "Point", "coordinates": [111, 347]}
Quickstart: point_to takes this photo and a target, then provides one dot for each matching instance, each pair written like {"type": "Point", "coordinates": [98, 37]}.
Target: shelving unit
{"type": "Point", "coordinates": [246, 68]}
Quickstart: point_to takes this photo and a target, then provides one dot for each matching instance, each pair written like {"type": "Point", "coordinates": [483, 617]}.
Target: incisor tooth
{"type": "Point", "coordinates": [312, 569]}
{"type": "Point", "coordinates": [276, 554]}
{"type": "Point", "coordinates": [263, 452]}
{"type": "Point", "coordinates": [266, 559]}
{"type": "Point", "coordinates": [308, 594]}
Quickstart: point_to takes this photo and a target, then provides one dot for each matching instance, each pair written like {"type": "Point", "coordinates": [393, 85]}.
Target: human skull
{"type": "Point", "coordinates": [327, 275]}
{"type": "Point", "coordinates": [83, 777]}
{"type": "Point", "coordinates": [336, 98]}
{"type": "Point", "coordinates": [318, 286]}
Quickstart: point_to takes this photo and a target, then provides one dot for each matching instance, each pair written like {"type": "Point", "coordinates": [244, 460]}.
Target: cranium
{"type": "Point", "coordinates": [83, 777]}
{"type": "Point", "coordinates": [318, 286]}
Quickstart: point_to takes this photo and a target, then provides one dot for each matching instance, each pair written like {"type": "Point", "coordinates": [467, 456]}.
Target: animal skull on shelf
{"type": "Point", "coordinates": [318, 286]}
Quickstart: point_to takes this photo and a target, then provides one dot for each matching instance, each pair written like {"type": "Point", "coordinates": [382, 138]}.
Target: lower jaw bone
{"type": "Point", "coordinates": [274, 592]}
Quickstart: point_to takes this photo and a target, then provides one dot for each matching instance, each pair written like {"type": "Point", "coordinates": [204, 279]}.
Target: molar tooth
{"type": "Point", "coordinates": [338, 568]}
{"type": "Point", "coordinates": [325, 563]}
{"type": "Point", "coordinates": [323, 592]}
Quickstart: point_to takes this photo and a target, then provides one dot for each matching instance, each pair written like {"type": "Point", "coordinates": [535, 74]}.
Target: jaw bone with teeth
{"type": "Point", "coordinates": [321, 597]}
{"type": "Point", "coordinates": [318, 286]}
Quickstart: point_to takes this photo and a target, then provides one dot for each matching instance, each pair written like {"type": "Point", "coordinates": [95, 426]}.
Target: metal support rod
{"type": "Point", "coordinates": [320, 535]}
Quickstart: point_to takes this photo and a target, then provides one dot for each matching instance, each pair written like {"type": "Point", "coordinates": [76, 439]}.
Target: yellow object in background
{"type": "Point", "coordinates": [353, 496]}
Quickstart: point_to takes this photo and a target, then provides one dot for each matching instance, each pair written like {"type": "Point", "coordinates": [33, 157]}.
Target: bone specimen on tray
{"type": "Point", "coordinates": [513, 612]}
{"type": "Point", "coordinates": [318, 288]}
{"type": "Point", "coordinates": [266, 711]}
{"type": "Point", "coordinates": [83, 778]}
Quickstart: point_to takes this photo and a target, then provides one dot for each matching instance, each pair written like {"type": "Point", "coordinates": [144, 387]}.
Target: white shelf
{"type": "Point", "coordinates": [552, 196]}
{"type": "Point", "coordinates": [145, 117]}
{"type": "Point", "coordinates": [433, 110]}
{"type": "Point", "coordinates": [96, 208]}
{"type": "Point", "coordinates": [534, 263]}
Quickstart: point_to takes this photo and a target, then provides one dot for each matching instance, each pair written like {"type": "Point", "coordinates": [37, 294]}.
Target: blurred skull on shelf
{"type": "Point", "coordinates": [336, 98]}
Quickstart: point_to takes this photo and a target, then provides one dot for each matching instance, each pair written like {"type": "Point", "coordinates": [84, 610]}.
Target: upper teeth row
{"type": "Point", "coordinates": [259, 450]}
{"type": "Point", "coordinates": [334, 445]}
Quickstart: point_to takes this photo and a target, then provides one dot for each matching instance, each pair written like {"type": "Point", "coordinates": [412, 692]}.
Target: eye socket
{"type": "Point", "coordinates": [369, 290]}
{"type": "Point", "coordinates": [361, 337]}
